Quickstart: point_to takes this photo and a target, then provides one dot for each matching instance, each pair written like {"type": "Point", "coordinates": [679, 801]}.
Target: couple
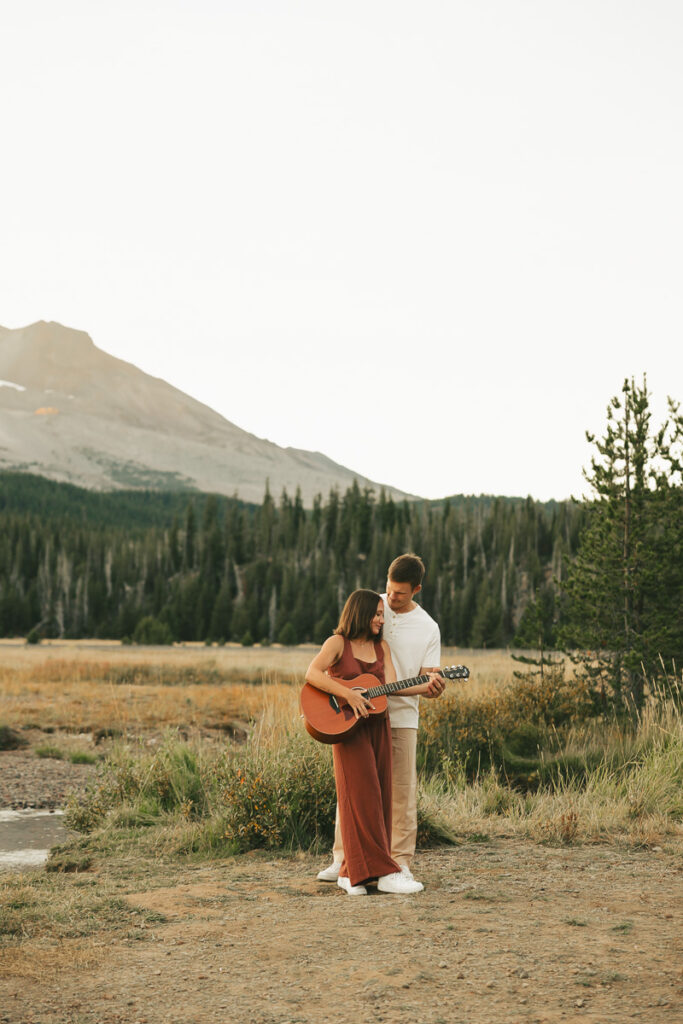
{"type": "Point", "coordinates": [390, 637]}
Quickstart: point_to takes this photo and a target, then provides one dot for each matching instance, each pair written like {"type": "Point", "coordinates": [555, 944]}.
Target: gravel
{"type": "Point", "coordinates": [41, 782]}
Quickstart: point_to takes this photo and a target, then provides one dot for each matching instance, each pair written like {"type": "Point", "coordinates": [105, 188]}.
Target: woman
{"type": "Point", "coordinates": [362, 762]}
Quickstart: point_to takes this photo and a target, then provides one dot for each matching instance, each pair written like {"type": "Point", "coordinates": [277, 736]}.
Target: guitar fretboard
{"type": "Point", "coordinates": [400, 684]}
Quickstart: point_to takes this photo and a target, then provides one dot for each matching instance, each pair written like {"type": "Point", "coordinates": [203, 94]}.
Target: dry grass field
{"type": "Point", "coordinates": [556, 907]}
{"type": "Point", "coordinates": [90, 687]}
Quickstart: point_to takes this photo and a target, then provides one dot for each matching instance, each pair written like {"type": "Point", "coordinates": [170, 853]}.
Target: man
{"type": "Point", "coordinates": [415, 643]}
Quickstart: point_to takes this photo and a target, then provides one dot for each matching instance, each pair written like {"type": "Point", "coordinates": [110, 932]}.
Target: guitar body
{"type": "Point", "coordinates": [327, 718]}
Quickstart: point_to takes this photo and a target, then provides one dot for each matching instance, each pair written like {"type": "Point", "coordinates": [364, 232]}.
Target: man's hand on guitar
{"type": "Point", "coordinates": [436, 685]}
{"type": "Point", "coordinates": [359, 704]}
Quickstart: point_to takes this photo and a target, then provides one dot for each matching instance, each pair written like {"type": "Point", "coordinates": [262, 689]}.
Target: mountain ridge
{"type": "Point", "coordinates": [72, 412]}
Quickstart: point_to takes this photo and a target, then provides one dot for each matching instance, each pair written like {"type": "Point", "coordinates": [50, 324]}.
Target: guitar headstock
{"type": "Point", "coordinates": [455, 672]}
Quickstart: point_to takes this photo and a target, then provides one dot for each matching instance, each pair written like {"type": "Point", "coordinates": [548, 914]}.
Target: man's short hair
{"type": "Point", "coordinates": [407, 569]}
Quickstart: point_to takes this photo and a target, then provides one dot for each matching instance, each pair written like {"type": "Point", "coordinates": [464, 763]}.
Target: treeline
{"type": "Point", "coordinates": [26, 493]}
{"type": "Point", "coordinates": [159, 567]}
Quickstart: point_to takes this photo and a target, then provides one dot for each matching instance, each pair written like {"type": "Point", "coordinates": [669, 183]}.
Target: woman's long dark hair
{"type": "Point", "coordinates": [357, 614]}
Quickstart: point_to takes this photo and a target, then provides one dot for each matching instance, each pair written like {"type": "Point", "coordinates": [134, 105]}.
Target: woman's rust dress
{"type": "Point", "coordinates": [362, 771]}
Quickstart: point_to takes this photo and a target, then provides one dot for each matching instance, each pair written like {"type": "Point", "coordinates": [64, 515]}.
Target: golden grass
{"type": "Point", "coordinates": [633, 795]}
{"type": "Point", "coordinates": [487, 807]}
{"type": "Point", "coordinates": [488, 667]}
{"type": "Point", "coordinates": [35, 962]}
{"type": "Point", "coordinates": [17, 654]}
{"type": "Point", "coordinates": [67, 685]}
{"type": "Point", "coordinates": [87, 706]}
{"type": "Point", "coordinates": [72, 686]}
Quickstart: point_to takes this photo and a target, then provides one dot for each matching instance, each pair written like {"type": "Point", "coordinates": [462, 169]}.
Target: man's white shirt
{"type": "Point", "coordinates": [414, 640]}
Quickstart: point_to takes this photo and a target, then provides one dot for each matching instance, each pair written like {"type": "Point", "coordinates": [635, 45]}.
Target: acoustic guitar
{"type": "Point", "coordinates": [329, 719]}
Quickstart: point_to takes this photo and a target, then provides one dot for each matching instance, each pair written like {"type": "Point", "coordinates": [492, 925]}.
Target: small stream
{"type": "Point", "coordinates": [26, 837]}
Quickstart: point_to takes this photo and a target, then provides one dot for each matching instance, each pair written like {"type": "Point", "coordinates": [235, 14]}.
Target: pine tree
{"type": "Point", "coordinates": [190, 536]}
{"type": "Point", "coordinates": [536, 631]}
{"type": "Point", "coordinates": [624, 589]}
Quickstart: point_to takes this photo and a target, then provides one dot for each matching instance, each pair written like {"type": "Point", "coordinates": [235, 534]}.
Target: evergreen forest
{"type": "Point", "coordinates": [156, 567]}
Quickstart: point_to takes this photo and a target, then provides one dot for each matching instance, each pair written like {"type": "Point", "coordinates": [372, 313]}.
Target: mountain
{"type": "Point", "coordinates": [71, 412]}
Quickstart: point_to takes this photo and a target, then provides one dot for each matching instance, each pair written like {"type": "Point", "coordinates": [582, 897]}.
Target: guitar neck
{"type": "Point", "coordinates": [400, 684]}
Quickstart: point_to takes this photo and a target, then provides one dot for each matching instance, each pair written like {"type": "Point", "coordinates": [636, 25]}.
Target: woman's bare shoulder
{"type": "Point", "coordinates": [334, 645]}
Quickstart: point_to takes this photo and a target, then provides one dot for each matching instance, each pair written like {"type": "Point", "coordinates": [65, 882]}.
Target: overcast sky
{"type": "Point", "coordinates": [429, 239]}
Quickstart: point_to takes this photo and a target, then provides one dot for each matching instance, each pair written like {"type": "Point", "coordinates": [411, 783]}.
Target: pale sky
{"type": "Point", "coordinates": [429, 239]}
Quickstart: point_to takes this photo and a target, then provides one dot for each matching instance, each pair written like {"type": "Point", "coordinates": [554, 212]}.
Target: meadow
{"type": "Point", "coordinates": [99, 687]}
{"type": "Point", "coordinates": [205, 744]}
{"type": "Point", "coordinates": [550, 846]}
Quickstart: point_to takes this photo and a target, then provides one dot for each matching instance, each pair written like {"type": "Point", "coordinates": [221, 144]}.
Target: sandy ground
{"type": "Point", "coordinates": [506, 931]}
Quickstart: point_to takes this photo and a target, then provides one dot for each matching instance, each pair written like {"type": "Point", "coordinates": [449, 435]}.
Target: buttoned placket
{"type": "Point", "coordinates": [393, 621]}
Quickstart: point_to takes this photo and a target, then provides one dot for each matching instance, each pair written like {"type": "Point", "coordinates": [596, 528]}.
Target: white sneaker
{"type": "Point", "coordinates": [352, 890]}
{"type": "Point", "coordinates": [330, 874]}
{"type": "Point", "coordinates": [398, 883]}
{"type": "Point", "coordinates": [407, 873]}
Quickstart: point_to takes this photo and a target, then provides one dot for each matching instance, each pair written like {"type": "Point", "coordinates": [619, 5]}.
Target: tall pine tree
{"type": "Point", "coordinates": [624, 589]}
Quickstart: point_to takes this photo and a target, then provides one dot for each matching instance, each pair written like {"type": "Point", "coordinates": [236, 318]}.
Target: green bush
{"type": "Point", "coordinates": [168, 781]}
{"type": "Point", "coordinates": [50, 750]}
{"type": "Point", "coordinates": [287, 635]}
{"type": "Point", "coordinates": [278, 796]}
{"type": "Point", "coordinates": [526, 739]}
{"type": "Point", "coordinates": [513, 729]}
{"type": "Point", "coordinates": [153, 632]}
{"type": "Point", "coordinates": [83, 757]}
{"type": "Point", "coordinates": [259, 795]}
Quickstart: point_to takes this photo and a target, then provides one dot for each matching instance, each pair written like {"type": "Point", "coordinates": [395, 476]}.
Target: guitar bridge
{"type": "Point", "coordinates": [334, 704]}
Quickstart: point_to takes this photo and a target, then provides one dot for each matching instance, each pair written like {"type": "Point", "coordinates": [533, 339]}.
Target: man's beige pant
{"type": "Point", "coordinates": [404, 800]}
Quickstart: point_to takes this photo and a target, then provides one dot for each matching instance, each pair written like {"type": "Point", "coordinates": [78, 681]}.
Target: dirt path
{"type": "Point", "coordinates": [505, 932]}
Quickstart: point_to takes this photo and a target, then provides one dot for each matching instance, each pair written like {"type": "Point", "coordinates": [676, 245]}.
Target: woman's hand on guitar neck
{"type": "Point", "coordinates": [359, 704]}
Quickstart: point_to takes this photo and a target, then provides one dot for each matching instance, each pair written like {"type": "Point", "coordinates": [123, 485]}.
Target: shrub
{"type": "Point", "coordinates": [33, 637]}
{"type": "Point", "coordinates": [11, 740]}
{"type": "Point", "coordinates": [526, 739]}
{"type": "Point", "coordinates": [287, 635]}
{"type": "Point", "coordinates": [151, 631]}
{"type": "Point", "coordinates": [83, 757]}
{"type": "Point", "coordinates": [260, 795]}
{"type": "Point", "coordinates": [277, 796]}
{"type": "Point", "coordinates": [464, 728]}
{"type": "Point", "coordinates": [167, 781]}
{"type": "Point", "coordinates": [551, 701]}
{"type": "Point", "coordinates": [510, 728]}
{"type": "Point", "coordinates": [50, 750]}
